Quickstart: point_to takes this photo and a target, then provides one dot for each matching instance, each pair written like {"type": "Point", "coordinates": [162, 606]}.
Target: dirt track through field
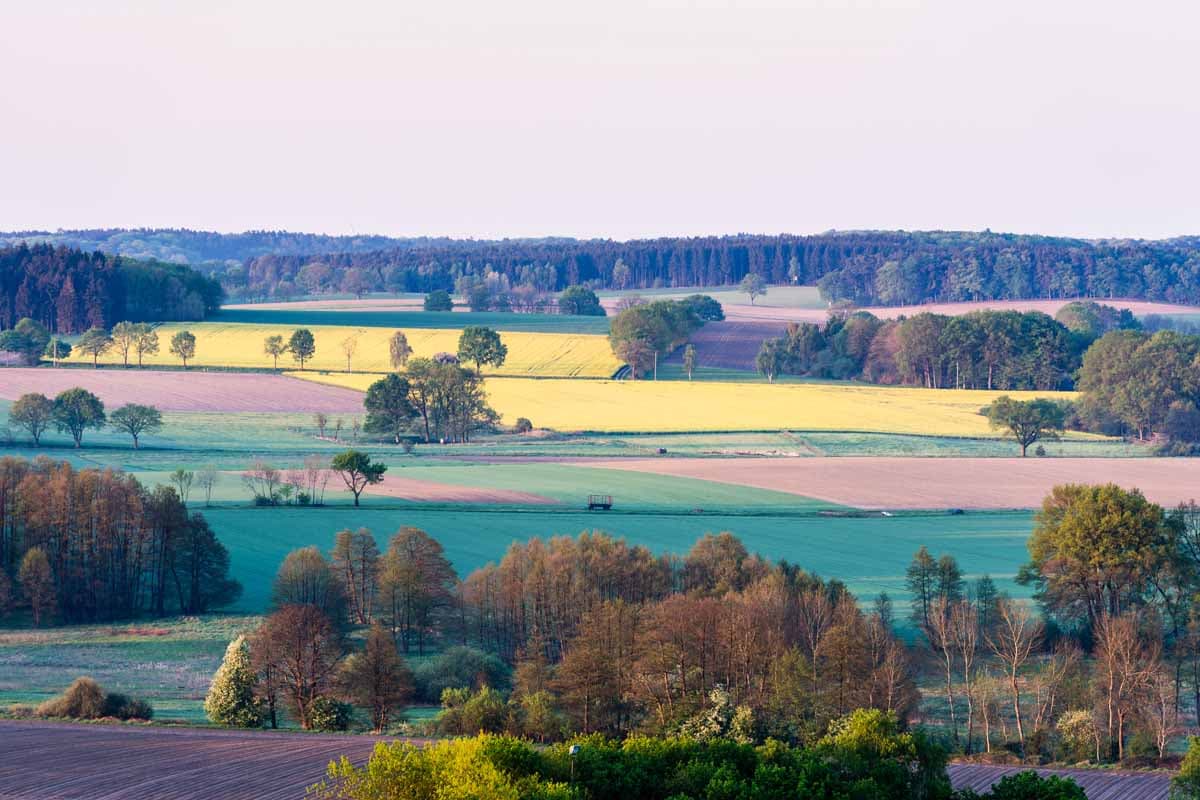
{"type": "Point", "coordinates": [185, 391]}
{"type": "Point", "coordinates": [933, 483]}
{"type": "Point", "coordinates": [434, 492]}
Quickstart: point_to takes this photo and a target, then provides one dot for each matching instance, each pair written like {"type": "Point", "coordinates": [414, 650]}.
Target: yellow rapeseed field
{"type": "Point", "coordinates": [618, 406]}
{"type": "Point", "coordinates": [241, 345]}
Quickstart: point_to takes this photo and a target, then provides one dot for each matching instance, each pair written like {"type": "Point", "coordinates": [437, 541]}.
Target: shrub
{"type": "Point", "coordinates": [328, 714]}
{"type": "Point", "coordinates": [523, 425]}
{"type": "Point", "coordinates": [85, 699]}
{"type": "Point", "coordinates": [1077, 732]}
{"type": "Point", "coordinates": [1031, 786]}
{"type": "Point", "coordinates": [458, 668]}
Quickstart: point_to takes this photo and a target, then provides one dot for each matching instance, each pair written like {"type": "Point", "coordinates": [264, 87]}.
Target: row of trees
{"type": "Point", "coordinates": [87, 545]}
{"type": "Point", "coordinates": [864, 267]}
{"type": "Point", "coordinates": [68, 291]}
{"type": "Point", "coordinates": [76, 410]}
{"type": "Point", "coordinates": [980, 350]}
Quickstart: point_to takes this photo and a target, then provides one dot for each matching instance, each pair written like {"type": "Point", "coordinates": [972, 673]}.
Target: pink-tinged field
{"type": "Point", "coordinates": [745, 312]}
{"type": "Point", "coordinates": [932, 483]}
{"type": "Point", "coordinates": [433, 492]}
{"type": "Point", "coordinates": [1098, 784]}
{"type": "Point", "coordinates": [732, 344]}
{"type": "Point", "coordinates": [185, 391]}
{"type": "Point", "coordinates": [55, 761]}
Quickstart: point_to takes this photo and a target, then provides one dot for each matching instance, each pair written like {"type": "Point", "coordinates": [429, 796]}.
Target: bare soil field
{"type": "Point", "coordinates": [433, 492]}
{"type": "Point", "coordinates": [933, 483]}
{"type": "Point", "coordinates": [732, 344]}
{"type": "Point", "coordinates": [59, 761]}
{"type": "Point", "coordinates": [746, 312]}
{"type": "Point", "coordinates": [185, 391]}
{"type": "Point", "coordinates": [1097, 784]}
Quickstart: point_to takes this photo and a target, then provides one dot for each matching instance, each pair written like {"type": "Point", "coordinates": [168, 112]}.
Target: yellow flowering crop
{"type": "Point", "coordinates": [241, 345]}
{"type": "Point", "coordinates": [650, 406]}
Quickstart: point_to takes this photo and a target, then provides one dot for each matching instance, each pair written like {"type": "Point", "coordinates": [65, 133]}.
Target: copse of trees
{"type": "Point", "coordinates": [26, 341]}
{"type": "Point", "coordinates": [68, 291]}
{"type": "Point", "coordinates": [438, 300]}
{"type": "Point", "coordinates": [90, 545]}
{"type": "Point", "coordinates": [980, 350]}
{"type": "Point", "coordinates": [580, 301]}
{"type": "Point", "coordinates": [645, 332]}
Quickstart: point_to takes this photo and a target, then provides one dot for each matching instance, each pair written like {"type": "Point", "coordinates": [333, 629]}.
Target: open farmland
{"type": "Point", "coordinates": [661, 406]}
{"type": "Point", "coordinates": [832, 546]}
{"type": "Point", "coordinates": [929, 483]}
{"type": "Point", "coordinates": [241, 346]}
{"type": "Point", "coordinates": [175, 391]}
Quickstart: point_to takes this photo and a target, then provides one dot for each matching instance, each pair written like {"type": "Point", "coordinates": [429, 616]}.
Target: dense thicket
{"type": "Point", "coordinates": [863, 267]}
{"type": "Point", "coordinates": [981, 350]}
{"type": "Point", "coordinates": [69, 291]}
{"type": "Point", "coordinates": [89, 544]}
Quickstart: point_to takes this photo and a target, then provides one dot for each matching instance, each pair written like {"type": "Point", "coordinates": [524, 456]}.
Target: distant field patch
{"type": "Point", "coordinates": [662, 406]}
{"type": "Point", "coordinates": [241, 345]}
{"type": "Point", "coordinates": [177, 391]}
{"type": "Point", "coordinates": [402, 314]}
{"type": "Point", "coordinates": [933, 483]}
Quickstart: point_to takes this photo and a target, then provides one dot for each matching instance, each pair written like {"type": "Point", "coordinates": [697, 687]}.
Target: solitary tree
{"type": "Point", "coordinates": [349, 347]}
{"type": "Point", "coordinates": [135, 420]}
{"type": "Point", "coordinates": [37, 584]}
{"type": "Point", "coordinates": [183, 345]}
{"type": "Point", "coordinates": [357, 471]}
{"type": "Point", "coordinates": [481, 345]}
{"type": "Point", "coordinates": [76, 410]}
{"type": "Point", "coordinates": [580, 301]}
{"type": "Point", "coordinates": [95, 343]}
{"type": "Point", "coordinates": [771, 358]}
{"type": "Point", "coordinates": [389, 410]}
{"type": "Point", "coordinates": [376, 678]}
{"type": "Point", "coordinates": [439, 300]}
{"type": "Point", "coordinates": [689, 360]}
{"type": "Point", "coordinates": [399, 350]}
{"type": "Point", "coordinates": [754, 285]}
{"type": "Point", "coordinates": [182, 480]}
{"type": "Point", "coordinates": [57, 350]}
{"type": "Point", "coordinates": [302, 345]}
{"type": "Point", "coordinates": [1027, 421]}
{"type": "Point", "coordinates": [124, 335]}
{"type": "Point", "coordinates": [321, 419]}
{"type": "Point", "coordinates": [231, 699]}
{"type": "Point", "coordinates": [34, 412]}
{"type": "Point", "coordinates": [274, 346]}
{"type": "Point", "coordinates": [146, 343]}
{"type": "Point", "coordinates": [207, 478]}
{"type": "Point", "coordinates": [303, 648]}
{"type": "Point", "coordinates": [637, 353]}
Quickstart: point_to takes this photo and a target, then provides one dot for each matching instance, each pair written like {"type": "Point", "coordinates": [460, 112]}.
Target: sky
{"type": "Point", "coordinates": [621, 119]}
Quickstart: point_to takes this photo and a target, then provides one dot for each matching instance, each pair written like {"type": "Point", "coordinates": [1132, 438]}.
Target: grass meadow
{"type": "Point", "coordinates": [411, 320]}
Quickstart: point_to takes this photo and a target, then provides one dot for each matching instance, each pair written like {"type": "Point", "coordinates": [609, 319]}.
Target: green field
{"type": "Point", "coordinates": [533, 323]}
{"type": "Point", "coordinates": [869, 554]}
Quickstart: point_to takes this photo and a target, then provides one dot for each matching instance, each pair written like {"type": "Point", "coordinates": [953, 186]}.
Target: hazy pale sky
{"type": "Point", "coordinates": [611, 118]}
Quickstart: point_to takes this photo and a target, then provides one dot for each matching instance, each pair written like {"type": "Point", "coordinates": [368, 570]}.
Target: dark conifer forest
{"type": "Point", "coordinates": [69, 291]}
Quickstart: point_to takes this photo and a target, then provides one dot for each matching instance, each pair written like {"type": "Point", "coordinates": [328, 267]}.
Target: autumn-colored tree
{"type": "Point", "coordinates": [37, 584]}
{"type": "Point", "coordinates": [377, 679]}
{"type": "Point", "coordinates": [355, 562]}
{"type": "Point", "coordinates": [305, 650]}
{"type": "Point", "coordinates": [416, 585]}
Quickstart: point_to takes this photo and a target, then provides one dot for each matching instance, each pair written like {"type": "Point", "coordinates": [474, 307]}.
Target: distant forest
{"type": "Point", "coordinates": [860, 268]}
{"type": "Point", "coordinates": [864, 267]}
{"type": "Point", "coordinates": [69, 291]}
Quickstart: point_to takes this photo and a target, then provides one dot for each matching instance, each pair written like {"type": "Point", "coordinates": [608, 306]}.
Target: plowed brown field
{"type": "Point", "coordinates": [52, 761]}
{"type": "Point", "coordinates": [185, 391]}
{"type": "Point", "coordinates": [933, 483]}
{"type": "Point", "coordinates": [1097, 784]}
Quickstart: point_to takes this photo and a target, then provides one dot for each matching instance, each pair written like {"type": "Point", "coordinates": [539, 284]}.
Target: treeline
{"type": "Point", "coordinates": [864, 267]}
{"type": "Point", "coordinates": [1007, 350]}
{"type": "Point", "coordinates": [87, 545]}
{"type": "Point", "coordinates": [69, 291]}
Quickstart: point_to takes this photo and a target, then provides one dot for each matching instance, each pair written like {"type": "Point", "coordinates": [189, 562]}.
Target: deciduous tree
{"type": "Point", "coordinates": [357, 471]}
{"type": "Point", "coordinates": [34, 412]}
{"type": "Point", "coordinates": [76, 410]}
{"type": "Point", "coordinates": [183, 345]}
{"type": "Point", "coordinates": [136, 419]}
